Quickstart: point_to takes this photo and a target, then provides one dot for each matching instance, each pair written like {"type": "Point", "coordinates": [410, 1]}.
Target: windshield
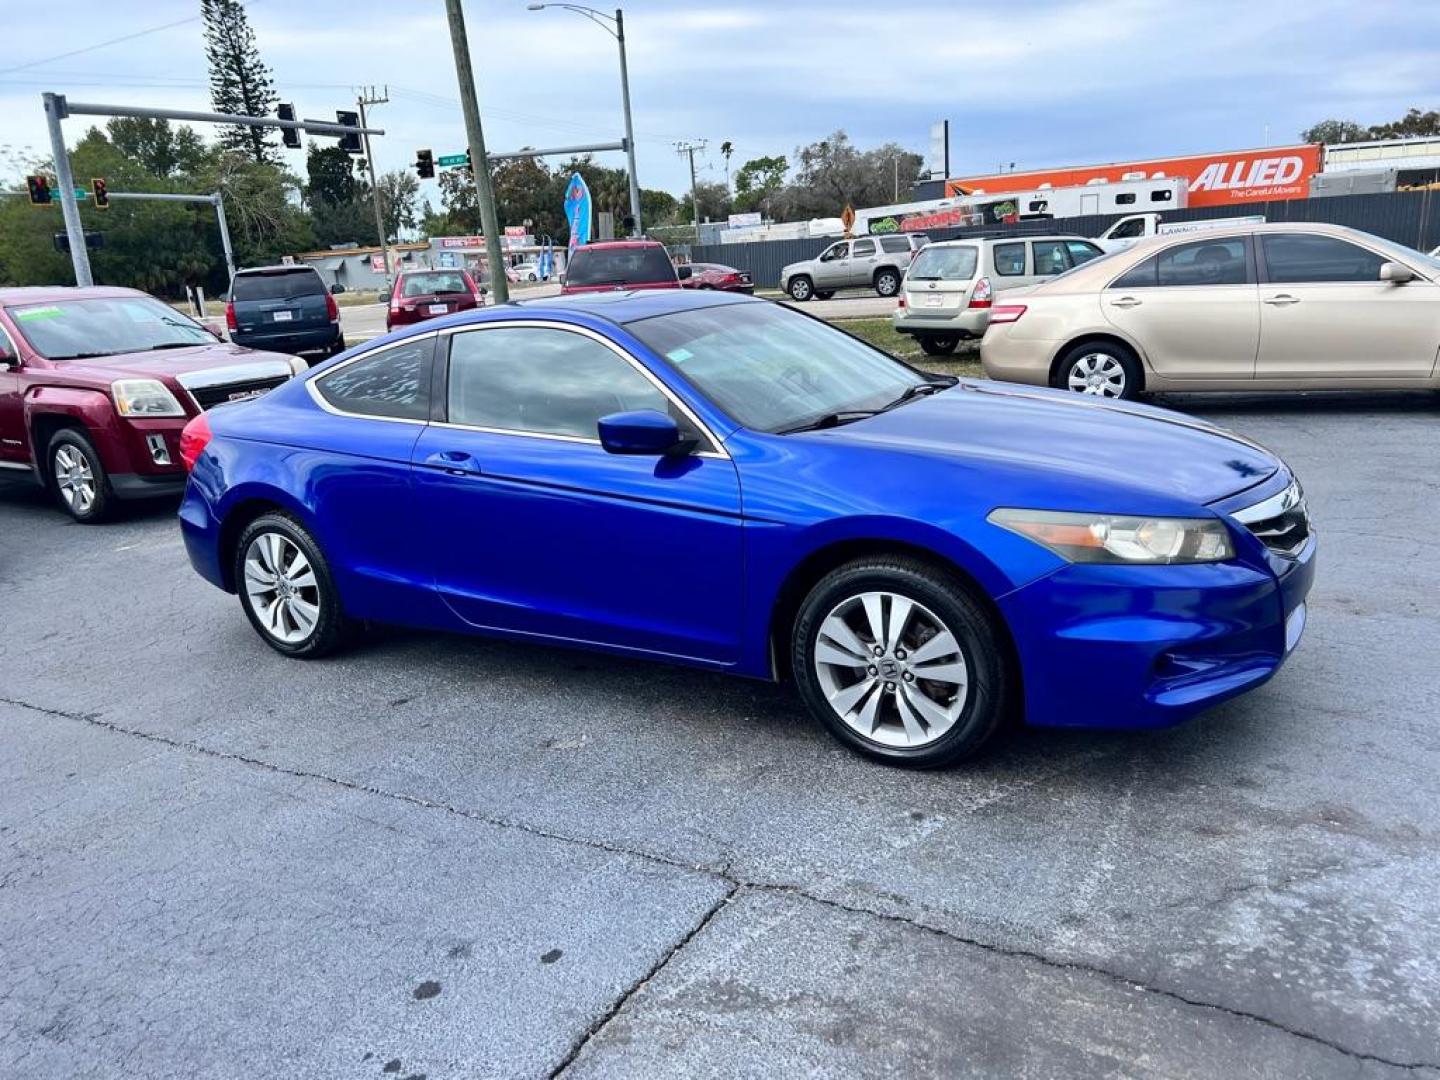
{"type": "Point", "coordinates": [620, 266]}
{"type": "Point", "coordinates": [68, 329]}
{"type": "Point", "coordinates": [771, 368]}
{"type": "Point", "coordinates": [277, 285]}
{"type": "Point", "coordinates": [944, 264]}
{"type": "Point", "coordinates": [431, 284]}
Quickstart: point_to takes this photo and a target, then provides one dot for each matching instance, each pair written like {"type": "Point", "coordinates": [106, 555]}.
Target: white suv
{"type": "Point", "coordinates": [951, 285]}
{"type": "Point", "coordinates": [877, 261]}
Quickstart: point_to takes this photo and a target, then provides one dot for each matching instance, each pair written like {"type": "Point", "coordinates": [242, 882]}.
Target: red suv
{"type": "Point", "coordinates": [96, 385]}
{"type": "Point", "coordinates": [418, 295]}
{"type": "Point", "coordinates": [619, 264]}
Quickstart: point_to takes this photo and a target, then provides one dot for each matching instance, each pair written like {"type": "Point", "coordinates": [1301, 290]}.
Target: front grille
{"type": "Point", "coordinates": [207, 397]}
{"type": "Point", "coordinates": [1281, 522]}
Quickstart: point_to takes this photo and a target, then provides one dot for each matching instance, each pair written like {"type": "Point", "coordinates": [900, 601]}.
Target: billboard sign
{"type": "Point", "coordinates": [578, 210]}
{"type": "Point", "coordinates": [1220, 179]}
{"type": "Point", "coordinates": [738, 221]}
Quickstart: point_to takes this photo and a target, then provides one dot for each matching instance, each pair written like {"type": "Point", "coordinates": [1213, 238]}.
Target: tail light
{"type": "Point", "coordinates": [900, 304]}
{"type": "Point", "coordinates": [332, 309]}
{"type": "Point", "coordinates": [982, 295]}
{"type": "Point", "coordinates": [1006, 313]}
{"type": "Point", "coordinates": [193, 440]}
{"type": "Point", "coordinates": [230, 323]}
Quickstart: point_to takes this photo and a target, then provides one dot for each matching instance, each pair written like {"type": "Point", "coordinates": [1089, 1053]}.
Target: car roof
{"type": "Point", "coordinates": [962, 240]}
{"type": "Point", "coordinates": [616, 245]}
{"type": "Point", "coordinates": [278, 268]}
{"type": "Point", "coordinates": [40, 294]}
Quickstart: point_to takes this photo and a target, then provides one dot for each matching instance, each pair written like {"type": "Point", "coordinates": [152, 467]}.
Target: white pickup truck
{"type": "Point", "coordinates": [1140, 226]}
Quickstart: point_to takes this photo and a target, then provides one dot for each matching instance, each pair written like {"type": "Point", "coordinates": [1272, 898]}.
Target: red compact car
{"type": "Point", "coordinates": [418, 295]}
{"type": "Point", "coordinates": [619, 264]}
{"type": "Point", "coordinates": [715, 276]}
{"type": "Point", "coordinates": [97, 384]}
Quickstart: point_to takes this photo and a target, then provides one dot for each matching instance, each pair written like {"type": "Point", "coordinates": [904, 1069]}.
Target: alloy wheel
{"type": "Point", "coordinates": [75, 479]}
{"type": "Point", "coordinates": [887, 284]}
{"type": "Point", "coordinates": [281, 587]}
{"type": "Point", "coordinates": [800, 289]}
{"type": "Point", "coordinates": [891, 669]}
{"type": "Point", "coordinates": [1099, 374]}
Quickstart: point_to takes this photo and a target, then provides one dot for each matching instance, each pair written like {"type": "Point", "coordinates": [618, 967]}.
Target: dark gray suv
{"type": "Point", "coordinates": [284, 309]}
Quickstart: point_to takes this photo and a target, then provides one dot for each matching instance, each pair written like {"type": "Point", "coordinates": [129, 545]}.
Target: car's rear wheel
{"type": "Point", "coordinates": [286, 588]}
{"type": "Point", "coordinates": [1100, 369]}
{"type": "Point", "coordinates": [800, 288]}
{"type": "Point", "coordinates": [939, 344]}
{"type": "Point", "coordinates": [887, 282]}
{"type": "Point", "coordinates": [78, 478]}
{"type": "Point", "coordinates": [899, 662]}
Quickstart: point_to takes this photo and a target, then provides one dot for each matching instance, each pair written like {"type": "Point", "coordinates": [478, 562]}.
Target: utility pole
{"type": "Point", "coordinates": [479, 164]}
{"type": "Point", "coordinates": [638, 229]}
{"type": "Point", "coordinates": [368, 96]}
{"type": "Point", "coordinates": [55, 111]}
{"type": "Point", "coordinates": [688, 148]}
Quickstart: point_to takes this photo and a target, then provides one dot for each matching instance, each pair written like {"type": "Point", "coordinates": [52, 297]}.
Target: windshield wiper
{"type": "Point", "coordinates": [81, 356]}
{"type": "Point", "coordinates": [920, 390]}
{"type": "Point", "coordinates": [173, 345]}
{"type": "Point", "coordinates": [829, 420]}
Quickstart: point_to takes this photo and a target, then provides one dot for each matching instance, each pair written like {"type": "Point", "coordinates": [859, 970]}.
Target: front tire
{"type": "Point", "coordinates": [286, 588]}
{"type": "Point", "coordinates": [800, 289]}
{"type": "Point", "coordinates": [887, 283]}
{"type": "Point", "coordinates": [77, 477]}
{"type": "Point", "coordinates": [1101, 369]}
{"type": "Point", "coordinates": [900, 663]}
{"type": "Point", "coordinates": [939, 344]}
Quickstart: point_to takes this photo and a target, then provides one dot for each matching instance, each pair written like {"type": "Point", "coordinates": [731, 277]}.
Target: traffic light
{"type": "Point", "coordinates": [39, 187]}
{"type": "Point", "coordinates": [425, 164]}
{"type": "Point", "coordinates": [101, 191]}
{"type": "Point", "coordinates": [349, 143]}
{"type": "Point", "coordinates": [290, 136]}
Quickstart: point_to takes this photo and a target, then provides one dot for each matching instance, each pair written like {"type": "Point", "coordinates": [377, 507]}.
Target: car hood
{"type": "Point", "coordinates": [173, 363]}
{"type": "Point", "coordinates": [1054, 434]}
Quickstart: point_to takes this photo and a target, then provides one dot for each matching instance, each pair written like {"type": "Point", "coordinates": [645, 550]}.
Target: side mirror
{"type": "Point", "coordinates": [685, 272]}
{"type": "Point", "coordinates": [1396, 273]}
{"type": "Point", "coordinates": [643, 431]}
{"type": "Point", "coordinates": [336, 289]}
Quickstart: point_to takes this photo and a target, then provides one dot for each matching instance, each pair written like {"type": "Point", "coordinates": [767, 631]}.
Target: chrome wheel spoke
{"type": "Point", "coordinates": [942, 644]}
{"type": "Point", "coordinates": [934, 715]}
{"type": "Point", "coordinates": [900, 609]}
{"type": "Point", "coordinates": [827, 653]}
{"type": "Point", "coordinates": [304, 613]}
{"type": "Point", "coordinates": [839, 632]}
{"type": "Point", "coordinates": [875, 616]}
{"type": "Point", "coordinates": [913, 729]}
{"type": "Point", "coordinates": [952, 672]}
{"type": "Point", "coordinates": [844, 701]}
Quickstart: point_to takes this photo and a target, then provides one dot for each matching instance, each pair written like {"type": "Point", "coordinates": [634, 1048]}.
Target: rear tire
{"type": "Point", "coordinates": [800, 289]}
{"type": "Point", "coordinates": [924, 622]}
{"type": "Point", "coordinates": [77, 478]}
{"type": "Point", "coordinates": [939, 344]}
{"type": "Point", "coordinates": [887, 282]}
{"type": "Point", "coordinates": [286, 588]}
{"type": "Point", "coordinates": [1100, 369]}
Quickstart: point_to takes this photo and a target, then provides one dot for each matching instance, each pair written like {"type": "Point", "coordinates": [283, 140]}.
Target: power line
{"type": "Point", "coordinates": [99, 45]}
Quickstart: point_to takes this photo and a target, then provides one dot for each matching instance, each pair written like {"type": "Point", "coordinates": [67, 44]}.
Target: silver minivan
{"type": "Point", "coordinates": [947, 294]}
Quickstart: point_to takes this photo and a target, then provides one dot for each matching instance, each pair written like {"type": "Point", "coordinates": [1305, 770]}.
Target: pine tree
{"type": "Point", "coordinates": [240, 82]}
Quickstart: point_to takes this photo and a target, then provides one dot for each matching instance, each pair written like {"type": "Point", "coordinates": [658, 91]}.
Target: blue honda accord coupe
{"type": "Point", "coordinates": [725, 482]}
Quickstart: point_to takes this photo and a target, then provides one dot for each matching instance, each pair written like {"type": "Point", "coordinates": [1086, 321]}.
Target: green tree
{"type": "Point", "coordinates": [1413, 124]}
{"type": "Point", "coordinates": [714, 200]}
{"type": "Point", "coordinates": [240, 82]}
{"type": "Point", "coordinates": [399, 195]}
{"type": "Point", "coordinates": [658, 207]}
{"type": "Point", "coordinates": [338, 198]}
{"type": "Point", "coordinates": [832, 174]}
{"type": "Point", "coordinates": [162, 150]}
{"type": "Point", "coordinates": [1331, 132]}
{"type": "Point", "coordinates": [758, 182]}
{"type": "Point", "coordinates": [461, 203]}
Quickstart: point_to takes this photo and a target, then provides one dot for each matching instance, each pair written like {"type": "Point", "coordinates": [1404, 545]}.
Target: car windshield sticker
{"type": "Point", "coordinates": [39, 313]}
{"type": "Point", "coordinates": [679, 356]}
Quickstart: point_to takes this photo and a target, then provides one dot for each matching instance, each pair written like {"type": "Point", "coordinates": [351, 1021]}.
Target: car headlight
{"type": "Point", "coordinates": [144, 398]}
{"type": "Point", "coordinates": [1110, 538]}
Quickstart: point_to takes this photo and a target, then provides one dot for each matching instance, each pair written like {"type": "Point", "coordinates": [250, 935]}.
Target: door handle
{"type": "Point", "coordinates": [455, 462]}
{"type": "Point", "coordinates": [1126, 302]}
{"type": "Point", "coordinates": [1282, 300]}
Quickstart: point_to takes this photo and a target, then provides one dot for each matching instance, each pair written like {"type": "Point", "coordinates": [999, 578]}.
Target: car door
{"type": "Point", "coordinates": [1325, 313]}
{"type": "Point", "coordinates": [833, 266]}
{"type": "Point", "coordinates": [534, 528]}
{"type": "Point", "coordinates": [1193, 308]}
{"type": "Point", "coordinates": [12, 416]}
{"type": "Point", "coordinates": [864, 257]}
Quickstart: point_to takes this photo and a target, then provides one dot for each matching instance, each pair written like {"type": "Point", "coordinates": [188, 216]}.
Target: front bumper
{"type": "Point", "coordinates": [1134, 647]}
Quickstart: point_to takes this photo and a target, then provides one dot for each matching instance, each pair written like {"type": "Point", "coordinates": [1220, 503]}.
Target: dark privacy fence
{"type": "Point", "coordinates": [1407, 217]}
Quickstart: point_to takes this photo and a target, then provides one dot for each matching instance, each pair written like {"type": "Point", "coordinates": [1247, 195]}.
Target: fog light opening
{"type": "Point", "coordinates": [159, 452]}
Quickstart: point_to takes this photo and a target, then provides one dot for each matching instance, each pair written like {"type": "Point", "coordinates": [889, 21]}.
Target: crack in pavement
{"type": "Point", "coordinates": [723, 873]}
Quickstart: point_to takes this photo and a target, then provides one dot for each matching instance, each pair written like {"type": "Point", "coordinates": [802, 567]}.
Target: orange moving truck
{"type": "Point", "coordinates": [1218, 179]}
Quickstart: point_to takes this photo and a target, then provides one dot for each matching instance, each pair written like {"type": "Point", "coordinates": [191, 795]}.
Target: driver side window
{"type": "Point", "coordinates": [839, 251]}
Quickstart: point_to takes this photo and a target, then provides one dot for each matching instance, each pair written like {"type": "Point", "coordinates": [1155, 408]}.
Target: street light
{"type": "Point", "coordinates": [600, 19]}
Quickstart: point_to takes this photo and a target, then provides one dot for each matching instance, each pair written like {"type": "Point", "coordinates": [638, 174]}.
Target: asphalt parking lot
{"type": "Point", "coordinates": [447, 857]}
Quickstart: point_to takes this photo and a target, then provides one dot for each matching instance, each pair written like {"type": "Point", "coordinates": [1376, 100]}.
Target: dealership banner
{"type": "Point", "coordinates": [1219, 179]}
{"type": "Point", "coordinates": [577, 210]}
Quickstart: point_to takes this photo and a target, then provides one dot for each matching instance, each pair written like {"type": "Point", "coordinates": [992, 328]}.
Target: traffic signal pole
{"type": "Point", "coordinates": [79, 256]}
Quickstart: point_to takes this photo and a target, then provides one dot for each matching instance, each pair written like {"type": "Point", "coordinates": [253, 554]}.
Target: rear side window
{"type": "Point", "coordinates": [863, 247]}
{"type": "Point", "coordinates": [1009, 260]}
{"type": "Point", "coordinates": [1050, 257]}
{"type": "Point", "coordinates": [277, 285]}
{"type": "Point", "coordinates": [1304, 257]}
{"type": "Point", "coordinates": [1203, 262]}
{"type": "Point", "coordinates": [620, 266]}
{"type": "Point", "coordinates": [893, 245]}
{"type": "Point", "coordinates": [392, 383]}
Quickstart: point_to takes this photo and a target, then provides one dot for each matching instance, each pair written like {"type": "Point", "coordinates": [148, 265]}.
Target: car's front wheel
{"type": "Point", "coordinates": [286, 588]}
{"type": "Point", "coordinates": [887, 282]}
{"type": "Point", "coordinates": [1101, 369]}
{"type": "Point", "coordinates": [899, 662]}
{"type": "Point", "coordinates": [939, 344]}
{"type": "Point", "coordinates": [77, 477]}
{"type": "Point", "coordinates": [800, 288]}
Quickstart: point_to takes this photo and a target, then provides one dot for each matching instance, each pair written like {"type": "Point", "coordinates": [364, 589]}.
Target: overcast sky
{"type": "Point", "coordinates": [1031, 83]}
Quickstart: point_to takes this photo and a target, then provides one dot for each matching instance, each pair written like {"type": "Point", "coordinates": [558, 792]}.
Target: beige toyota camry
{"type": "Point", "coordinates": [1283, 307]}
